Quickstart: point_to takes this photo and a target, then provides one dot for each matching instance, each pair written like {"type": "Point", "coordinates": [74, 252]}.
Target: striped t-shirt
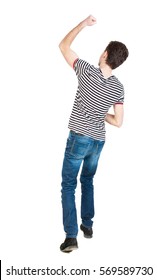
{"type": "Point", "coordinates": [94, 97]}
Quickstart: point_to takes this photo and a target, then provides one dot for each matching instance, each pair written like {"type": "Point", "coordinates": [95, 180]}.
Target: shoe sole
{"type": "Point", "coordinates": [88, 236]}
{"type": "Point", "coordinates": [69, 249]}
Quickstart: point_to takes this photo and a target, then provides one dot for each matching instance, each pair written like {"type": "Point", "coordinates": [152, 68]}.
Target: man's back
{"type": "Point", "coordinates": [95, 95]}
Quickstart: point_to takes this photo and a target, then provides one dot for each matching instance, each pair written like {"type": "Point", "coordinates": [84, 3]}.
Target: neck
{"type": "Point", "coordinates": [106, 70]}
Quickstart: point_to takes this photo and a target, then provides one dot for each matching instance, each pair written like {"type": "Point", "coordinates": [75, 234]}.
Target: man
{"type": "Point", "coordinates": [97, 91]}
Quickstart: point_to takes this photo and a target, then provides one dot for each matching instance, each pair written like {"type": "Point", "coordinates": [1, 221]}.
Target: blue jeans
{"type": "Point", "coordinates": [79, 149]}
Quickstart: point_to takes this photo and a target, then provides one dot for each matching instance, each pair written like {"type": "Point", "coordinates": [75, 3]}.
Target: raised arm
{"type": "Point", "coordinates": [69, 55]}
{"type": "Point", "coordinates": [117, 118]}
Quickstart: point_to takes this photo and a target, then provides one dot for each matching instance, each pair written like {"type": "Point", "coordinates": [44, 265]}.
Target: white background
{"type": "Point", "coordinates": [37, 90]}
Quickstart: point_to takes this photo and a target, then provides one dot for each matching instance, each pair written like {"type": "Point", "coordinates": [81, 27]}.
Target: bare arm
{"type": "Point", "coordinates": [116, 119]}
{"type": "Point", "coordinates": [69, 55]}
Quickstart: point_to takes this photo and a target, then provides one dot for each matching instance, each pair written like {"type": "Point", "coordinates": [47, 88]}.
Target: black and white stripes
{"type": "Point", "coordinates": [95, 95]}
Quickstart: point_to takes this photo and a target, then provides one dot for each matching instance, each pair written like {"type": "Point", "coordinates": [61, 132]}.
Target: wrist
{"type": "Point", "coordinates": [83, 24]}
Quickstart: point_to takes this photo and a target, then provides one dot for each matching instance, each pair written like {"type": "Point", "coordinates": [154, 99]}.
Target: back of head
{"type": "Point", "coordinates": [117, 53]}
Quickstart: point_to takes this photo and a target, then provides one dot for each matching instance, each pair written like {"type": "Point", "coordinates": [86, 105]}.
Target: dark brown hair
{"type": "Point", "coordinates": [117, 54]}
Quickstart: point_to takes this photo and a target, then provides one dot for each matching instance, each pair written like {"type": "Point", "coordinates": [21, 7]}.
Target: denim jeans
{"type": "Point", "coordinates": [85, 150]}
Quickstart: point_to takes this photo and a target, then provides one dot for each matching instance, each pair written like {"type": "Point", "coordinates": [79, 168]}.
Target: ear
{"type": "Point", "coordinates": [105, 54]}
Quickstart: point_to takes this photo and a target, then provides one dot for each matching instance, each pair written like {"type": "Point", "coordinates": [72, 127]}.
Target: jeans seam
{"type": "Point", "coordinates": [72, 146]}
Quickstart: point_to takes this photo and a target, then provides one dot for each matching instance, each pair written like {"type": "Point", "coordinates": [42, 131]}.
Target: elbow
{"type": "Point", "coordinates": [61, 46]}
{"type": "Point", "coordinates": [119, 123]}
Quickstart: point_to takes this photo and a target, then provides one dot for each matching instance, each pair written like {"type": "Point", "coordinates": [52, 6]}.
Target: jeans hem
{"type": "Point", "coordinates": [71, 236]}
{"type": "Point", "coordinates": [87, 226]}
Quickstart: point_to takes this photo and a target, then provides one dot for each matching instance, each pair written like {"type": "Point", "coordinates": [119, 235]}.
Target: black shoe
{"type": "Point", "coordinates": [69, 245]}
{"type": "Point", "coordinates": [88, 232]}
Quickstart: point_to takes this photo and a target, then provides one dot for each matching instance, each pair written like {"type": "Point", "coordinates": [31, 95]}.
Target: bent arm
{"type": "Point", "coordinates": [69, 55]}
{"type": "Point", "coordinates": [116, 119]}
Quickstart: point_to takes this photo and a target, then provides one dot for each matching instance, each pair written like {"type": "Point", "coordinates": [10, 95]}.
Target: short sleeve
{"type": "Point", "coordinates": [121, 98]}
{"type": "Point", "coordinates": [80, 66]}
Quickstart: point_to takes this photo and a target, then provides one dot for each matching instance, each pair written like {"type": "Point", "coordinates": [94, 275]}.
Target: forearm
{"type": "Point", "coordinates": [69, 38]}
{"type": "Point", "coordinates": [111, 119]}
{"type": "Point", "coordinates": [69, 55]}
